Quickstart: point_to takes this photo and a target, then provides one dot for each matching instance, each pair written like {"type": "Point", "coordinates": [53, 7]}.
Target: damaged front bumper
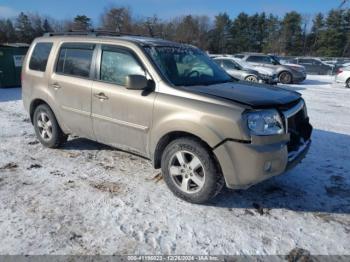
{"type": "Point", "coordinates": [246, 164]}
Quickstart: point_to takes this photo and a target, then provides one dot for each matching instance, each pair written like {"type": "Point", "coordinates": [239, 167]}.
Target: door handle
{"type": "Point", "coordinates": [56, 86]}
{"type": "Point", "coordinates": [101, 96]}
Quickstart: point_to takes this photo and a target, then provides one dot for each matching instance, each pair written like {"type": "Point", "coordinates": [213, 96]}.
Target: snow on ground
{"type": "Point", "coordinates": [88, 198]}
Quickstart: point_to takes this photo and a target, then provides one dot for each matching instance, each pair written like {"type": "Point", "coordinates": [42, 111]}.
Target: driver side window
{"type": "Point", "coordinates": [117, 64]}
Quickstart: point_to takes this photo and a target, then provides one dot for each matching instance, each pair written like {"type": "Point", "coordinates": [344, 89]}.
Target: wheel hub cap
{"type": "Point", "coordinates": [44, 126]}
{"type": "Point", "coordinates": [187, 172]}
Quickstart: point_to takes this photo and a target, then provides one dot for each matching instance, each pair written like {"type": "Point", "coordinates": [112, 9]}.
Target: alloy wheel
{"type": "Point", "coordinates": [251, 79]}
{"type": "Point", "coordinates": [45, 126]}
{"type": "Point", "coordinates": [285, 78]}
{"type": "Point", "coordinates": [187, 172]}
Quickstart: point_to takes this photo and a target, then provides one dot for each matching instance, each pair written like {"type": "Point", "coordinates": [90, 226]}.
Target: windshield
{"type": "Point", "coordinates": [243, 64]}
{"type": "Point", "coordinates": [187, 66]}
{"type": "Point", "coordinates": [275, 60]}
{"type": "Point", "coordinates": [231, 64]}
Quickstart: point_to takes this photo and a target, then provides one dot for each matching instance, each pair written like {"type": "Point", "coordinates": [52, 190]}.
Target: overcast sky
{"type": "Point", "coordinates": [63, 9]}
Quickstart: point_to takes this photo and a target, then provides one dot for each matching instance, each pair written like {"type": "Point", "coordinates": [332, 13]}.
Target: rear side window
{"type": "Point", "coordinates": [75, 60]}
{"type": "Point", "coordinates": [40, 54]}
{"type": "Point", "coordinates": [254, 59]}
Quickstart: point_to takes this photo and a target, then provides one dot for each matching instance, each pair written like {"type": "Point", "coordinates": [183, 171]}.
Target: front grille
{"type": "Point", "coordinates": [298, 126]}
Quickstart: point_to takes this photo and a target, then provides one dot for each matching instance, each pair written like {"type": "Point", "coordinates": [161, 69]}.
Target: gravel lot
{"type": "Point", "coordinates": [87, 198]}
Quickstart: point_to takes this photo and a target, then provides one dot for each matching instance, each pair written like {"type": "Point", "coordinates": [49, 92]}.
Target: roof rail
{"type": "Point", "coordinates": [89, 33]}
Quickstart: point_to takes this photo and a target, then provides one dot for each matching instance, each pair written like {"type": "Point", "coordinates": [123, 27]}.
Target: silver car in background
{"type": "Point", "coordinates": [287, 74]}
{"type": "Point", "coordinates": [343, 76]}
{"type": "Point", "coordinates": [237, 71]}
{"type": "Point", "coordinates": [268, 75]}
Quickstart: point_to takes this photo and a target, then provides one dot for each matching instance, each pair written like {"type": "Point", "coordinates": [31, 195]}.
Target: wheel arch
{"type": "Point", "coordinates": [34, 104]}
{"type": "Point", "coordinates": [347, 82]}
{"type": "Point", "coordinates": [245, 78]}
{"type": "Point", "coordinates": [171, 136]}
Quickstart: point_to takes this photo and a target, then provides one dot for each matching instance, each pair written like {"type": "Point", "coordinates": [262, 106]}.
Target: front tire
{"type": "Point", "coordinates": [46, 127]}
{"type": "Point", "coordinates": [285, 78]}
{"type": "Point", "coordinates": [252, 78]}
{"type": "Point", "coordinates": [190, 170]}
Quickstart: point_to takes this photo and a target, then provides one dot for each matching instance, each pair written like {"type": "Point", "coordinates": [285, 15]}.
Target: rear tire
{"type": "Point", "coordinates": [190, 170]}
{"type": "Point", "coordinates": [285, 78]}
{"type": "Point", "coordinates": [347, 84]}
{"type": "Point", "coordinates": [46, 127]}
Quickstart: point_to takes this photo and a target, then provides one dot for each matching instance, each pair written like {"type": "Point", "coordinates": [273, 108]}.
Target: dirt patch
{"type": "Point", "coordinates": [328, 218]}
{"type": "Point", "coordinates": [248, 212]}
{"type": "Point", "coordinates": [105, 186]}
{"type": "Point", "coordinates": [34, 166]}
{"type": "Point", "coordinates": [337, 179]}
{"type": "Point", "coordinates": [57, 173]}
{"type": "Point", "coordinates": [26, 120]}
{"type": "Point", "coordinates": [338, 191]}
{"type": "Point", "coordinates": [158, 177]}
{"type": "Point", "coordinates": [299, 255]}
{"type": "Point", "coordinates": [275, 190]}
{"type": "Point", "coordinates": [74, 236]}
{"type": "Point", "coordinates": [35, 142]}
{"type": "Point", "coordinates": [260, 210]}
{"type": "Point", "coordinates": [9, 166]}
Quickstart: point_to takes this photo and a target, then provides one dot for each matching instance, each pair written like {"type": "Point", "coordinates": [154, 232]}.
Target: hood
{"type": "Point", "coordinates": [250, 71]}
{"type": "Point", "coordinates": [265, 70]}
{"type": "Point", "coordinates": [295, 66]}
{"type": "Point", "coordinates": [254, 95]}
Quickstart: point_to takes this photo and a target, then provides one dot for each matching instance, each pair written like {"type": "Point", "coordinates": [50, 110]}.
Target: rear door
{"type": "Point", "coordinates": [309, 65]}
{"type": "Point", "coordinates": [121, 117]}
{"type": "Point", "coordinates": [71, 84]}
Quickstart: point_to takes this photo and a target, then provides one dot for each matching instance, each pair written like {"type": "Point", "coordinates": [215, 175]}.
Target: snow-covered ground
{"type": "Point", "coordinates": [88, 198]}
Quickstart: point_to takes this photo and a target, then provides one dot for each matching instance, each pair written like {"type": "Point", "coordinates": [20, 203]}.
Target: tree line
{"type": "Point", "coordinates": [293, 34]}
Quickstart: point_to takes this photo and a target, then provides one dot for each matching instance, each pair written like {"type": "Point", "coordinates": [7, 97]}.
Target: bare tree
{"type": "Point", "coordinates": [117, 19]}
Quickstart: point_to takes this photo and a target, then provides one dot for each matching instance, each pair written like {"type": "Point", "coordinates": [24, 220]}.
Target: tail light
{"type": "Point", "coordinates": [339, 71]}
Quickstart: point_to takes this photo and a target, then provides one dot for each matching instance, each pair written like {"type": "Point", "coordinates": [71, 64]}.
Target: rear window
{"type": "Point", "coordinates": [40, 54]}
{"type": "Point", "coordinates": [75, 60]}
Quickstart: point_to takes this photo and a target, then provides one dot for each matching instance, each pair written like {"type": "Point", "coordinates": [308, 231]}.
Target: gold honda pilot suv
{"type": "Point", "coordinates": [167, 101]}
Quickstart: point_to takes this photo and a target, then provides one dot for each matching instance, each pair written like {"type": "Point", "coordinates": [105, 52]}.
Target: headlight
{"type": "Point", "coordinates": [264, 122]}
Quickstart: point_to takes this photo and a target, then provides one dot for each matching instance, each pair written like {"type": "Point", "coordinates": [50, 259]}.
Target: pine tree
{"type": "Point", "coordinates": [24, 29]}
{"type": "Point", "coordinates": [37, 26]}
{"type": "Point", "coordinates": [46, 26]}
{"type": "Point", "coordinates": [219, 36]}
{"type": "Point", "coordinates": [272, 41]}
{"type": "Point", "coordinates": [240, 32]}
{"type": "Point", "coordinates": [291, 33]}
{"type": "Point", "coordinates": [333, 39]}
{"type": "Point", "coordinates": [316, 31]}
{"type": "Point", "coordinates": [81, 23]}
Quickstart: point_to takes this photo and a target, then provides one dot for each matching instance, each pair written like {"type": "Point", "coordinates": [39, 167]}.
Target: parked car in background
{"type": "Point", "coordinates": [286, 74]}
{"type": "Point", "coordinates": [343, 76]}
{"type": "Point", "coordinates": [268, 75]}
{"type": "Point", "coordinates": [237, 71]}
{"type": "Point", "coordinates": [314, 65]}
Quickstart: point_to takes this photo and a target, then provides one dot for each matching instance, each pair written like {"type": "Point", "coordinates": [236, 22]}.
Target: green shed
{"type": "Point", "coordinates": [11, 59]}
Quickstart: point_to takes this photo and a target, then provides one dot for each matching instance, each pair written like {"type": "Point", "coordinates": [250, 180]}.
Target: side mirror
{"type": "Point", "coordinates": [136, 82]}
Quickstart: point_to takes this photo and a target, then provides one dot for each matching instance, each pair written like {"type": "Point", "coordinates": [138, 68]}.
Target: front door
{"type": "Point", "coordinates": [121, 117]}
